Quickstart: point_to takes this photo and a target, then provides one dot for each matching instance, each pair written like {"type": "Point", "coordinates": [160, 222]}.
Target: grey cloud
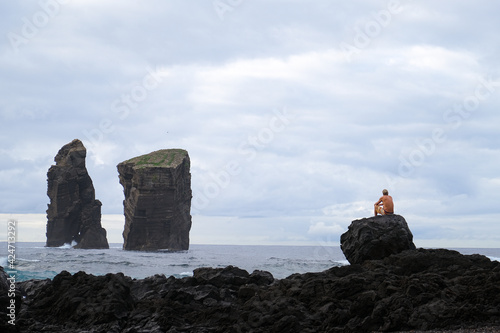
{"type": "Point", "coordinates": [354, 120]}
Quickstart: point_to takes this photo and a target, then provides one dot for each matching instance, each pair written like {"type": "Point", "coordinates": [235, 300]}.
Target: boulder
{"type": "Point", "coordinates": [74, 300]}
{"type": "Point", "coordinates": [376, 238]}
{"type": "Point", "coordinates": [73, 214]}
{"type": "Point", "coordinates": [157, 205]}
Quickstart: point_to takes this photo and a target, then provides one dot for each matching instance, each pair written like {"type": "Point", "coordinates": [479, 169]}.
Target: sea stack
{"type": "Point", "coordinates": [73, 214]}
{"type": "Point", "coordinates": [157, 205]}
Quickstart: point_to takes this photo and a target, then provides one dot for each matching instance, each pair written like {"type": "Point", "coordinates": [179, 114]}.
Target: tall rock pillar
{"type": "Point", "coordinates": [73, 214]}
{"type": "Point", "coordinates": [157, 204]}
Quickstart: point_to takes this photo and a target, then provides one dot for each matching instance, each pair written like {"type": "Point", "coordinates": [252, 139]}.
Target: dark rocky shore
{"type": "Point", "coordinates": [414, 290]}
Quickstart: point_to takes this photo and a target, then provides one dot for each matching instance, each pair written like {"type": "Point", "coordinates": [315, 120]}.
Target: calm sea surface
{"type": "Point", "coordinates": [34, 261]}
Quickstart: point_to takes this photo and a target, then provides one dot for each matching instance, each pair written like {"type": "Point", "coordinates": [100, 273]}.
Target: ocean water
{"type": "Point", "coordinates": [35, 261]}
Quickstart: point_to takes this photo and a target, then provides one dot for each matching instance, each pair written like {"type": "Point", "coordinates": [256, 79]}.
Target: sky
{"type": "Point", "coordinates": [295, 114]}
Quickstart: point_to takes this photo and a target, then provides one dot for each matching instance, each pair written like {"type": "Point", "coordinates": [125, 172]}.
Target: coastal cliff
{"type": "Point", "coordinates": [73, 214]}
{"type": "Point", "coordinates": [157, 189]}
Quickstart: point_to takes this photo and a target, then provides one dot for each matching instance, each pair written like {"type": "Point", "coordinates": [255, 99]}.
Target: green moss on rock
{"type": "Point", "coordinates": [164, 158]}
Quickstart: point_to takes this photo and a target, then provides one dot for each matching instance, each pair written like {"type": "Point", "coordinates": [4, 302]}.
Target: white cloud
{"type": "Point", "coordinates": [320, 228]}
{"type": "Point", "coordinates": [103, 153]}
{"type": "Point", "coordinates": [435, 58]}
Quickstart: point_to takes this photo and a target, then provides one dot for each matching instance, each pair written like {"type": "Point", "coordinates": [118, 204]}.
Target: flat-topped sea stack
{"type": "Point", "coordinates": [73, 215]}
{"type": "Point", "coordinates": [157, 205]}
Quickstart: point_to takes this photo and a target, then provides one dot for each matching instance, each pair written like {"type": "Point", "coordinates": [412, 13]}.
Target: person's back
{"type": "Point", "coordinates": [388, 204]}
{"type": "Point", "coordinates": [384, 205]}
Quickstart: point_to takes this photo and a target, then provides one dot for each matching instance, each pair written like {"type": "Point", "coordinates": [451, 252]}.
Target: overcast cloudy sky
{"type": "Point", "coordinates": [296, 114]}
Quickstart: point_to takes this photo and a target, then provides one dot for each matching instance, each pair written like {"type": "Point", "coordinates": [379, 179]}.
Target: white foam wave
{"type": "Point", "coordinates": [68, 245]}
{"type": "Point", "coordinates": [28, 260]}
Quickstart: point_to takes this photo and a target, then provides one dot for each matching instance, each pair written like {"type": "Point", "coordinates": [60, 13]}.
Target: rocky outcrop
{"type": "Point", "coordinates": [376, 238]}
{"type": "Point", "coordinates": [73, 214]}
{"type": "Point", "coordinates": [157, 204]}
{"type": "Point", "coordinates": [10, 302]}
{"type": "Point", "coordinates": [413, 290]}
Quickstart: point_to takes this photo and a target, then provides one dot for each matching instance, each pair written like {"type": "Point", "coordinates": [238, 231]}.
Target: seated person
{"type": "Point", "coordinates": [384, 205]}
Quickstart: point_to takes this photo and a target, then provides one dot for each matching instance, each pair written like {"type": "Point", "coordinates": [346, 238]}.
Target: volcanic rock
{"type": "Point", "coordinates": [157, 204]}
{"type": "Point", "coordinates": [376, 238]}
{"type": "Point", "coordinates": [73, 215]}
{"type": "Point", "coordinates": [10, 302]}
{"type": "Point", "coordinates": [413, 290]}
